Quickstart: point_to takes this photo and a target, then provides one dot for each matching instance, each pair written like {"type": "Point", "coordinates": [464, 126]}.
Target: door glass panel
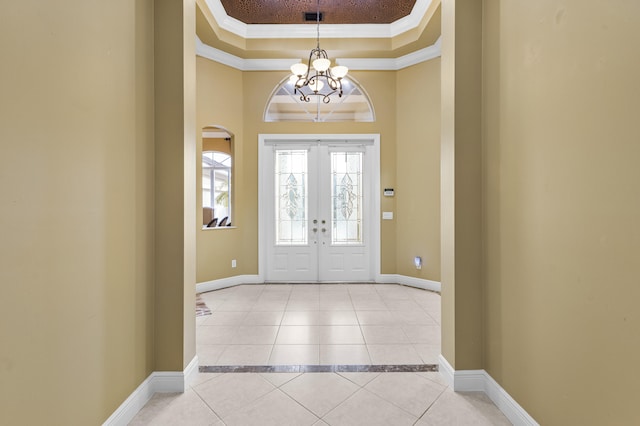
{"type": "Point", "coordinates": [346, 197]}
{"type": "Point", "coordinates": [291, 177]}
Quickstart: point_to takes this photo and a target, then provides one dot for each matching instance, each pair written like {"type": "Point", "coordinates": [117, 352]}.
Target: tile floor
{"type": "Point", "coordinates": [319, 325]}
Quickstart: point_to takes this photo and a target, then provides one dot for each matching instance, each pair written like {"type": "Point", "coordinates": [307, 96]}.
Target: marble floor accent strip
{"type": "Point", "coordinates": [402, 368]}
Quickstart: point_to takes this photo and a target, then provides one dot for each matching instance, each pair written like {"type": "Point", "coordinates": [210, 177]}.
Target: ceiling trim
{"type": "Point", "coordinates": [266, 31]}
{"type": "Point", "coordinates": [356, 64]}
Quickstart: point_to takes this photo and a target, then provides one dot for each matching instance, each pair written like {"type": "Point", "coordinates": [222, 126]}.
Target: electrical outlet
{"type": "Point", "coordinates": [233, 263]}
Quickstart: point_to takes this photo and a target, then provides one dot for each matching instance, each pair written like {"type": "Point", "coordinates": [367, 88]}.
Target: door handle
{"type": "Point", "coordinates": [315, 229]}
{"type": "Point", "coordinates": [324, 229]}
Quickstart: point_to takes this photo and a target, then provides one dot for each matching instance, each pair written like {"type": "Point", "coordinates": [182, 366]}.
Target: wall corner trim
{"type": "Point", "coordinates": [157, 382]}
{"type": "Point", "coordinates": [409, 281]}
{"type": "Point", "coordinates": [481, 381]}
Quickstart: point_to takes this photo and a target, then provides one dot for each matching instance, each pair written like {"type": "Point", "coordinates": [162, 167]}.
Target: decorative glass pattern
{"type": "Point", "coordinates": [346, 197]}
{"type": "Point", "coordinates": [291, 178]}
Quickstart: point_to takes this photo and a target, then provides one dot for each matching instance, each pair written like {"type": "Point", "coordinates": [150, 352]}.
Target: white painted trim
{"type": "Point", "coordinates": [481, 381]}
{"type": "Point", "coordinates": [393, 64]}
{"type": "Point", "coordinates": [158, 381]}
{"type": "Point", "coordinates": [354, 64]}
{"type": "Point", "coordinates": [255, 31]}
{"type": "Point", "coordinates": [420, 283]}
{"type": "Point", "coordinates": [228, 282]}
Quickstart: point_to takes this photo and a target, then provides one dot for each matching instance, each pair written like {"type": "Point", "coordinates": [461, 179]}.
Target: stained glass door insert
{"type": "Point", "coordinates": [291, 201]}
{"type": "Point", "coordinates": [346, 197]}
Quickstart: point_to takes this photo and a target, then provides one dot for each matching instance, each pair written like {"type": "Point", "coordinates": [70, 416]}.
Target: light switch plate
{"type": "Point", "coordinates": [387, 215]}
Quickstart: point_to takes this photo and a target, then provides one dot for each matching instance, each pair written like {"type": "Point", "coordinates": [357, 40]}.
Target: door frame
{"type": "Point", "coordinates": [266, 140]}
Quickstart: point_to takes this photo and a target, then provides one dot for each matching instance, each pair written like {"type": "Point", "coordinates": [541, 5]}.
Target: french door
{"type": "Point", "coordinates": [317, 212]}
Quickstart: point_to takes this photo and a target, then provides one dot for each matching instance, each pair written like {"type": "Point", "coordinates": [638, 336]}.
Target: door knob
{"type": "Point", "coordinates": [324, 221]}
{"type": "Point", "coordinates": [315, 220]}
{"type": "Point", "coordinates": [315, 229]}
{"type": "Point", "coordinates": [324, 229]}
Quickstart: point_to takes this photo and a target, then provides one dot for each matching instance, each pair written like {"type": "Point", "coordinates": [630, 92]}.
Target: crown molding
{"type": "Point", "coordinates": [267, 31]}
{"type": "Point", "coordinates": [356, 64]}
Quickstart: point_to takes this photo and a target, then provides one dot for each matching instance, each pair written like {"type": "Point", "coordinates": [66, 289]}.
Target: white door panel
{"type": "Point", "coordinates": [317, 200]}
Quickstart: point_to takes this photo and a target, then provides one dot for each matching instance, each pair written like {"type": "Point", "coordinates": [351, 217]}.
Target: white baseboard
{"type": "Point", "coordinates": [157, 382]}
{"type": "Point", "coordinates": [228, 282]}
{"type": "Point", "coordinates": [481, 381]}
{"type": "Point", "coordinates": [256, 279]}
{"type": "Point", "coordinates": [411, 282]}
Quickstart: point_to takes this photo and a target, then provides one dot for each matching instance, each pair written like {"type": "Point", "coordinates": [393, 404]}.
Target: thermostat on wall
{"type": "Point", "coordinates": [388, 192]}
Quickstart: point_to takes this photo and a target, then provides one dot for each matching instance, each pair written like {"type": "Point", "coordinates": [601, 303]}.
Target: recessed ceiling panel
{"type": "Point", "coordinates": [334, 11]}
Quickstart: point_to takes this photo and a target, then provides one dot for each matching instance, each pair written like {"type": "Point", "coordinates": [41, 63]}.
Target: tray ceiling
{"type": "Point", "coordinates": [334, 11]}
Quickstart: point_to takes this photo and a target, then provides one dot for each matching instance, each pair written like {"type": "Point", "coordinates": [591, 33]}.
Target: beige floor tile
{"type": "Point", "coordinates": [255, 335]}
{"type": "Point", "coordinates": [377, 318]}
{"type": "Point", "coordinates": [298, 335]}
{"type": "Point", "coordinates": [344, 355]}
{"type": "Point", "coordinates": [231, 392]}
{"type": "Point", "coordinates": [209, 354]}
{"type": "Point", "coordinates": [342, 305]}
{"type": "Point", "coordinates": [425, 334]}
{"type": "Point", "coordinates": [429, 353]}
{"type": "Point", "coordinates": [279, 379]}
{"type": "Point", "coordinates": [200, 378]}
{"type": "Point", "coordinates": [303, 305]}
{"type": "Point", "coordinates": [384, 334]}
{"type": "Point", "coordinates": [269, 306]}
{"type": "Point", "coordinates": [366, 409]}
{"type": "Point", "coordinates": [360, 379]}
{"type": "Point", "coordinates": [231, 305]}
{"type": "Point", "coordinates": [245, 355]}
{"type": "Point", "coordinates": [274, 409]}
{"type": "Point", "coordinates": [369, 305]}
{"type": "Point", "coordinates": [301, 318]}
{"type": "Point", "coordinates": [320, 392]}
{"type": "Point", "coordinates": [226, 318]}
{"type": "Point", "coordinates": [408, 391]}
{"type": "Point", "coordinates": [419, 317]}
{"type": "Point", "coordinates": [463, 408]}
{"type": "Point", "coordinates": [337, 317]}
{"type": "Point", "coordinates": [294, 355]}
{"type": "Point", "coordinates": [392, 292]}
{"type": "Point", "coordinates": [215, 334]}
{"type": "Point", "coordinates": [263, 318]}
{"type": "Point", "coordinates": [176, 409]}
{"type": "Point", "coordinates": [435, 376]}
{"type": "Point", "coordinates": [403, 305]}
{"type": "Point", "coordinates": [340, 335]}
{"type": "Point", "coordinates": [393, 354]}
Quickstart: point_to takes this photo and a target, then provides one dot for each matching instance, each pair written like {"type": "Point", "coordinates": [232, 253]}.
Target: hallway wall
{"type": "Point", "coordinates": [418, 170]}
{"type": "Point", "coordinates": [561, 207]}
{"type": "Point", "coordinates": [76, 178]}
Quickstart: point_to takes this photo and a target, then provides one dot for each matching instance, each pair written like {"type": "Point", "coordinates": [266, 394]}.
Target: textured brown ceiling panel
{"type": "Point", "coordinates": [334, 11]}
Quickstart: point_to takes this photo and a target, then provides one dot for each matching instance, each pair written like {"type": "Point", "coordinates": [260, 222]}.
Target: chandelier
{"type": "Point", "coordinates": [324, 80]}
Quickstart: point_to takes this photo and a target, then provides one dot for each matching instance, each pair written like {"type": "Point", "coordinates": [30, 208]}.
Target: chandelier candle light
{"type": "Point", "coordinates": [324, 80]}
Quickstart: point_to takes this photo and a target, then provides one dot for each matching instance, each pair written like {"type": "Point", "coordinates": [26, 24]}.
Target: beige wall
{"type": "Point", "coordinates": [561, 185]}
{"type": "Point", "coordinates": [175, 180]}
{"type": "Point", "coordinates": [418, 170]}
{"type": "Point", "coordinates": [76, 178]}
{"type": "Point", "coordinates": [219, 103]}
{"type": "Point", "coordinates": [236, 101]}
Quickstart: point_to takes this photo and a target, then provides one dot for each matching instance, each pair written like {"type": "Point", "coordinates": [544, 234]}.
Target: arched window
{"type": "Point", "coordinates": [217, 178]}
{"type": "Point", "coordinates": [285, 105]}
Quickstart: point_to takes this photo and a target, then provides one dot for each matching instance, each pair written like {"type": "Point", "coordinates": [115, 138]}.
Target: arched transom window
{"type": "Point", "coordinates": [285, 105]}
